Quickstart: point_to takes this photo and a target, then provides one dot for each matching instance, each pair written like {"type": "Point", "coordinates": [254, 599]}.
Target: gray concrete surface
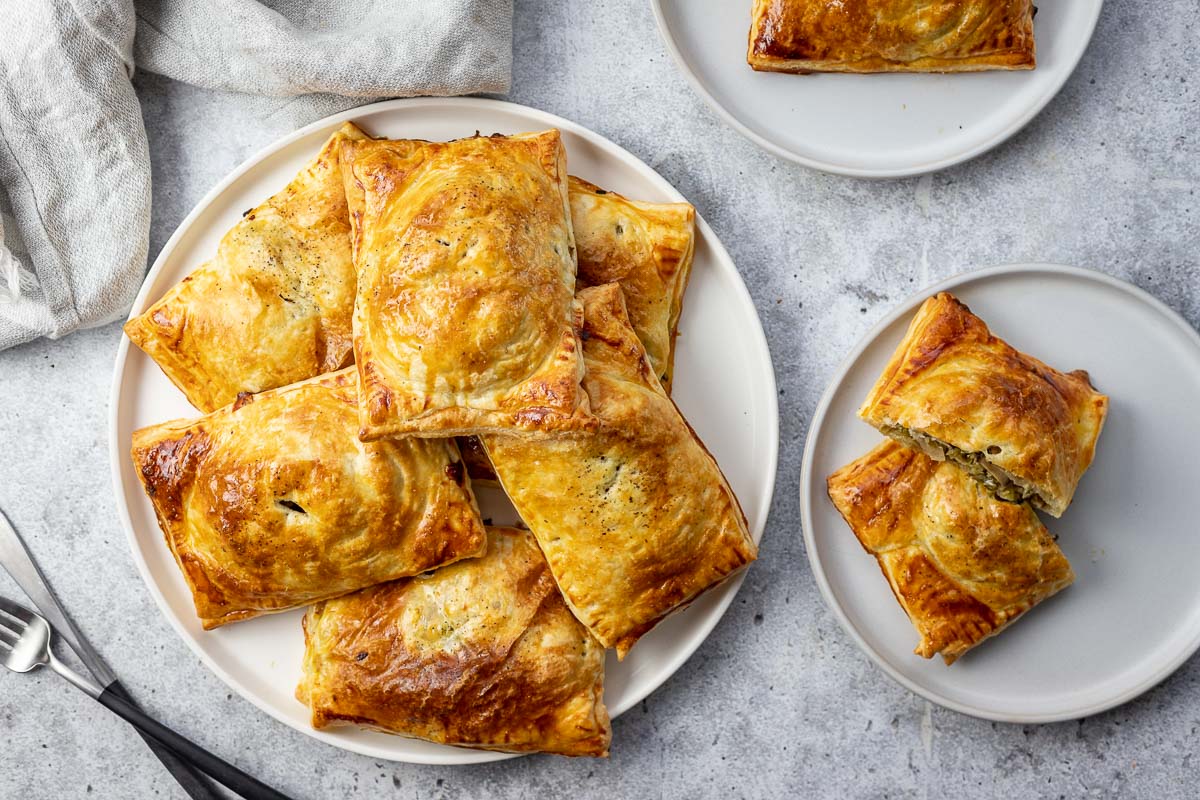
{"type": "Point", "coordinates": [779, 702]}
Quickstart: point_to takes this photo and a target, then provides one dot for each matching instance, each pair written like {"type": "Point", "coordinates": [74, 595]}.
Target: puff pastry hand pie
{"type": "Point", "coordinates": [481, 654]}
{"type": "Point", "coordinates": [955, 391]}
{"type": "Point", "coordinates": [962, 564]}
{"type": "Point", "coordinates": [273, 306]}
{"type": "Point", "coordinates": [645, 247]}
{"type": "Point", "coordinates": [273, 502]}
{"type": "Point", "coordinates": [636, 518]}
{"type": "Point", "coordinates": [891, 35]}
{"type": "Point", "coordinates": [465, 319]}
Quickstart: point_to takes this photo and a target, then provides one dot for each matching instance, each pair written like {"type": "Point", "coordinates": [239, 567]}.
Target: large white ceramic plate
{"type": "Point", "coordinates": [872, 126]}
{"type": "Point", "coordinates": [724, 384]}
{"type": "Point", "coordinates": [1133, 615]}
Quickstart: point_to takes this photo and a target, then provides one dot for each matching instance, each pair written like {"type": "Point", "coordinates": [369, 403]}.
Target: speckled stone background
{"type": "Point", "coordinates": [778, 702]}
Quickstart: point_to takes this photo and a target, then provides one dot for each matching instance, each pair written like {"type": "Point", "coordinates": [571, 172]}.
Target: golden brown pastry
{"type": "Point", "coordinates": [465, 319]}
{"type": "Point", "coordinates": [636, 518]}
{"type": "Point", "coordinates": [962, 564]}
{"type": "Point", "coordinates": [891, 35]}
{"type": "Point", "coordinates": [645, 247]}
{"type": "Point", "coordinates": [480, 654]}
{"type": "Point", "coordinates": [273, 306]}
{"type": "Point", "coordinates": [273, 502]}
{"type": "Point", "coordinates": [955, 391]}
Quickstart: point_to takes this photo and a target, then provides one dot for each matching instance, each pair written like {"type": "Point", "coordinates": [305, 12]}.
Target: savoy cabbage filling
{"type": "Point", "coordinates": [994, 479]}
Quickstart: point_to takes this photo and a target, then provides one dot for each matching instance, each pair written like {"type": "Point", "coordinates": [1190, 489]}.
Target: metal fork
{"type": "Point", "coordinates": [25, 645]}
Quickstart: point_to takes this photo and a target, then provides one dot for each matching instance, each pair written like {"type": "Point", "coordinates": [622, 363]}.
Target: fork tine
{"type": "Point", "coordinates": [8, 637]}
{"type": "Point", "coordinates": [12, 623]}
{"type": "Point", "coordinates": [16, 611]}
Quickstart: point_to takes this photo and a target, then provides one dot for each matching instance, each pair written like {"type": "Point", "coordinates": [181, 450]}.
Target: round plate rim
{"type": "Point", "coordinates": [907, 307]}
{"type": "Point", "coordinates": [448, 755]}
{"type": "Point", "coordinates": [836, 168]}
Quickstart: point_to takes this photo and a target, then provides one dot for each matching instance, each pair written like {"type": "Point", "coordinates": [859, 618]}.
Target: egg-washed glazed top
{"type": "Point", "coordinates": [273, 502]}
{"type": "Point", "coordinates": [636, 518]}
{"type": "Point", "coordinates": [480, 654]}
{"type": "Point", "coordinates": [465, 319]}
{"type": "Point", "coordinates": [645, 247]}
{"type": "Point", "coordinates": [274, 304]}
{"type": "Point", "coordinates": [951, 380]}
{"type": "Point", "coordinates": [962, 564]}
{"type": "Point", "coordinates": [891, 35]}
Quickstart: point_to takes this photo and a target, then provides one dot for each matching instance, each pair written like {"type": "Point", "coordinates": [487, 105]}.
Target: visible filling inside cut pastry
{"type": "Point", "coordinates": [1001, 483]}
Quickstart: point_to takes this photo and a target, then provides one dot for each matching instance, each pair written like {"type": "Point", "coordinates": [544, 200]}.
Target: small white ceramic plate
{"type": "Point", "coordinates": [724, 385]}
{"type": "Point", "coordinates": [1133, 615]}
{"type": "Point", "coordinates": [870, 126]}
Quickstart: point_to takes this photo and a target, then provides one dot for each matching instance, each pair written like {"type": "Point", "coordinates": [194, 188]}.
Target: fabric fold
{"type": "Point", "coordinates": [74, 163]}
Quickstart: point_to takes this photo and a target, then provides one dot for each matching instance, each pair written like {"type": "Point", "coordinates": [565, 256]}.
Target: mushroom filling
{"type": "Point", "coordinates": [996, 480]}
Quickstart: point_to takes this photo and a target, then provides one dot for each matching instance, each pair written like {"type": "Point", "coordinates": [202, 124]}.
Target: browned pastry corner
{"type": "Point", "coordinates": [635, 518]}
{"type": "Point", "coordinates": [483, 654]}
{"type": "Point", "coordinates": [274, 304]}
{"type": "Point", "coordinates": [273, 502]}
{"type": "Point", "coordinates": [962, 564]}
{"type": "Point", "coordinates": [955, 391]}
{"type": "Point", "coordinates": [891, 35]}
{"type": "Point", "coordinates": [465, 319]}
{"type": "Point", "coordinates": [645, 247]}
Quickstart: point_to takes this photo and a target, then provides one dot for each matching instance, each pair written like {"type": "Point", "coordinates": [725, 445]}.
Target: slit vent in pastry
{"type": "Point", "coordinates": [273, 502]}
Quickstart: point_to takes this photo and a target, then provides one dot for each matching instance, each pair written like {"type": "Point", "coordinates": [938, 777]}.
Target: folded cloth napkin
{"type": "Point", "coordinates": [74, 167]}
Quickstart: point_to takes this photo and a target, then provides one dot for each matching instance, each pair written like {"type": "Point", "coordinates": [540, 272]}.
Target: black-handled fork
{"type": "Point", "coordinates": [17, 561]}
{"type": "Point", "coordinates": [25, 645]}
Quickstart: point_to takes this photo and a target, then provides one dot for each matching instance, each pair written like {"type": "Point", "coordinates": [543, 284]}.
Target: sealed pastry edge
{"type": "Point", "coordinates": [624, 643]}
{"type": "Point", "coordinates": [473, 420]}
{"type": "Point", "coordinates": [171, 533]}
{"type": "Point", "coordinates": [1011, 60]}
{"type": "Point", "coordinates": [975, 463]}
{"type": "Point", "coordinates": [599, 709]}
{"type": "Point", "coordinates": [839, 479]}
{"type": "Point", "coordinates": [178, 365]}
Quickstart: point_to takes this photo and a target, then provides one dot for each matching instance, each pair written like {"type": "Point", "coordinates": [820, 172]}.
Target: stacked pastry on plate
{"type": "Point", "coordinates": [395, 296]}
{"type": "Point", "coordinates": [804, 36]}
{"type": "Point", "coordinates": [979, 435]}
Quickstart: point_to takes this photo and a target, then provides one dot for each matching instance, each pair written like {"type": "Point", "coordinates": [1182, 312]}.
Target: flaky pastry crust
{"type": "Point", "coordinates": [274, 305]}
{"type": "Point", "coordinates": [891, 35]}
{"type": "Point", "coordinates": [483, 654]}
{"type": "Point", "coordinates": [636, 518]}
{"type": "Point", "coordinates": [647, 248]}
{"type": "Point", "coordinates": [962, 564]}
{"type": "Point", "coordinates": [1015, 422]}
{"type": "Point", "coordinates": [465, 319]}
{"type": "Point", "coordinates": [273, 502]}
